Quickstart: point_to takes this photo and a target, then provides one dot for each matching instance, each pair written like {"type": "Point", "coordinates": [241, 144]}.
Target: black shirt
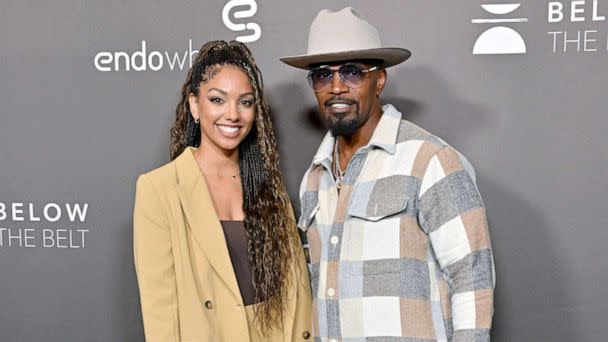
{"type": "Point", "coordinates": [236, 240]}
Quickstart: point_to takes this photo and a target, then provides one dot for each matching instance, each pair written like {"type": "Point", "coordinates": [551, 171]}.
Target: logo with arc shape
{"type": "Point", "coordinates": [499, 39]}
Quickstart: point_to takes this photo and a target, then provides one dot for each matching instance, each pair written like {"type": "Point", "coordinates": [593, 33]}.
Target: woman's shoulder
{"type": "Point", "coordinates": [166, 175]}
{"type": "Point", "coordinates": [161, 176]}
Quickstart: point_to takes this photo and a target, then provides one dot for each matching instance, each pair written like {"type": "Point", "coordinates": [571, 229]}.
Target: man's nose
{"type": "Point", "coordinates": [337, 86]}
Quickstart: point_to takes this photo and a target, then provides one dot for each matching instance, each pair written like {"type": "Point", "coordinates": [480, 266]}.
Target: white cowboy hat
{"type": "Point", "coordinates": [344, 35]}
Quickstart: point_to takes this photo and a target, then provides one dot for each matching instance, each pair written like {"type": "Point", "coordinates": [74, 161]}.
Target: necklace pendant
{"type": "Point", "coordinates": [339, 182]}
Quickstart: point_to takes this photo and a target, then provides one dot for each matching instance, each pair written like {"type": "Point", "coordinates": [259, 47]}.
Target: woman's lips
{"type": "Point", "coordinates": [228, 131]}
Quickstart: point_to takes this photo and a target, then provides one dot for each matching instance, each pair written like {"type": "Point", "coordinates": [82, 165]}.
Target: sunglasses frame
{"type": "Point", "coordinates": [364, 71]}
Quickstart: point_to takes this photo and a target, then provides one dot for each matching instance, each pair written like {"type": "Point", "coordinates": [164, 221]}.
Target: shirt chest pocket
{"type": "Point", "coordinates": [383, 198]}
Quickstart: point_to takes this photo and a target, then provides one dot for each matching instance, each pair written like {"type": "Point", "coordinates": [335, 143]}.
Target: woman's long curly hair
{"type": "Point", "coordinates": [271, 232]}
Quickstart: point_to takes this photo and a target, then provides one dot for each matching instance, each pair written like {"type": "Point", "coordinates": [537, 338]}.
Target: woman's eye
{"type": "Point", "coordinates": [216, 100]}
{"type": "Point", "coordinates": [247, 103]}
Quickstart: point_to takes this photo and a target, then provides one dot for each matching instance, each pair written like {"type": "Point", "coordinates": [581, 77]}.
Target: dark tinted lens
{"type": "Point", "coordinates": [352, 74]}
{"type": "Point", "coordinates": [321, 75]}
{"type": "Point", "coordinates": [319, 78]}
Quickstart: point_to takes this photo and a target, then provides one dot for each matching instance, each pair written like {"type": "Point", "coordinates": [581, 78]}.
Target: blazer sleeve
{"type": "Point", "coordinates": [303, 312]}
{"type": "Point", "coordinates": [154, 265]}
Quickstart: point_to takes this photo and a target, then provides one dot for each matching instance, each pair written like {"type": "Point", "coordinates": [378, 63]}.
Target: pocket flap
{"type": "Point", "coordinates": [378, 211]}
{"type": "Point", "coordinates": [310, 206]}
{"type": "Point", "coordinates": [373, 201]}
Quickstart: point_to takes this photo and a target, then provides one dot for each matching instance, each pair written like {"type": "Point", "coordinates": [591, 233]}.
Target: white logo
{"type": "Point", "coordinates": [499, 39]}
{"type": "Point", "coordinates": [34, 225]}
{"type": "Point", "coordinates": [577, 38]}
{"type": "Point", "coordinates": [253, 8]}
{"type": "Point", "coordinates": [144, 60]}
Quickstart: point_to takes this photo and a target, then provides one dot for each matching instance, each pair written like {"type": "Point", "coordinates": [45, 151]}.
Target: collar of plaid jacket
{"type": "Point", "coordinates": [384, 137]}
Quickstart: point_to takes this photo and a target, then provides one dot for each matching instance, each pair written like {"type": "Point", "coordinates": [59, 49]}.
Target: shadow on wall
{"type": "Point", "coordinates": [299, 128]}
{"type": "Point", "coordinates": [430, 102]}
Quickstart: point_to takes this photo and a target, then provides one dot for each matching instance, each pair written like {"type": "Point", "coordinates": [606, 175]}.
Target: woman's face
{"type": "Point", "coordinates": [225, 106]}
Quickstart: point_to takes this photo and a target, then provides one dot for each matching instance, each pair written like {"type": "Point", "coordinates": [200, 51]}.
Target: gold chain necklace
{"type": "Point", "coordinates": [217, 173]}
{"type": "Point", "coordinates": [338, 174]}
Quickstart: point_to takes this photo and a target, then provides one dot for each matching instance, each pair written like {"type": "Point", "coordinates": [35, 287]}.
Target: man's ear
{"type": "Point", "coordinates": [381, 82]}
{"type": "Point", "coordinates": [193, 102]}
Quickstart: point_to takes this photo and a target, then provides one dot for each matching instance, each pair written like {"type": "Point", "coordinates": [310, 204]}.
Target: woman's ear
{"type": "Point", "coordinates": [193, 102]}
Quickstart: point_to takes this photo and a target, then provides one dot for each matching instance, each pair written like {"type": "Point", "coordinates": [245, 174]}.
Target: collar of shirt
{"type": "Point", "coordinates": [384, 137]}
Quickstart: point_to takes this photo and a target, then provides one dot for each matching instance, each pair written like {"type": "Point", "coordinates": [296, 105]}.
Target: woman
{"type": "Point", "coordinates": [217, 252]}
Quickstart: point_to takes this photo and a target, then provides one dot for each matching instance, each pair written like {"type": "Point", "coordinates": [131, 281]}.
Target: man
{"type": "Point", "coordinates": [399, 243]}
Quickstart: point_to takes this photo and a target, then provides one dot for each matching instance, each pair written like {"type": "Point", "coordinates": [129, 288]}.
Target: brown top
{"type": "Point", "coordinates": [236, 240]}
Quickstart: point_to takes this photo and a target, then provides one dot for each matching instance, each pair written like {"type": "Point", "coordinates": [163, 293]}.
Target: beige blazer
{"type": "Point", "coordinates": [187, 285]}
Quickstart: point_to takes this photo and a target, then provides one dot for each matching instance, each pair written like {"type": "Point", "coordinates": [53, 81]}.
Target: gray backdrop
{"type": "Point", "coordinates": [72, 136]}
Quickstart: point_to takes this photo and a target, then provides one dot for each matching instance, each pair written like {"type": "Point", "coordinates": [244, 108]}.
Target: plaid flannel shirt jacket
{"type": "Point", "coordinates": [402, 251]}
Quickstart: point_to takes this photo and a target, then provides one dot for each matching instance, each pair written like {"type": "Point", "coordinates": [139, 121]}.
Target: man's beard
{"type": "Point", "coordinates": [344, 126]}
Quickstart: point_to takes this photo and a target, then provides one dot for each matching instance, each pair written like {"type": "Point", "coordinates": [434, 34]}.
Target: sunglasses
{"type": "Point", "coordinates": [351, 74]}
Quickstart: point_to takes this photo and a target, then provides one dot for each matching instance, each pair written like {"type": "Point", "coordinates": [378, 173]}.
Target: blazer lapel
{"type": "Point", "coordinates": [202, 218]}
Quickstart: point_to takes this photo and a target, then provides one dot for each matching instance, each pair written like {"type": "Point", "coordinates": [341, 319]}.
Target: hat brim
{"type": "Point", "coordinates": [390, 56]}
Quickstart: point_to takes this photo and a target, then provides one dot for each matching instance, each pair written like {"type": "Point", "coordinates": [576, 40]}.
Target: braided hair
{"type": "Point", "coordinates": [272, 237]}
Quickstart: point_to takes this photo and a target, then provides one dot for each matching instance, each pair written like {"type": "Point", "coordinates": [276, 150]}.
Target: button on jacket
{"type": "Point", "coordinates": [402, 249]}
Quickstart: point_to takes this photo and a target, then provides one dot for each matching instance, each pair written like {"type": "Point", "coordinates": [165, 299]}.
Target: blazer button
{"type": "Point", "coordinates": [208, 305]}
{"type": "Point", "coordinates": [306, 335]}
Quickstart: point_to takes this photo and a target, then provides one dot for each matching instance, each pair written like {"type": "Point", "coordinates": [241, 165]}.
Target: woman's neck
{"type": "Point", "coordinates": [215, 161]}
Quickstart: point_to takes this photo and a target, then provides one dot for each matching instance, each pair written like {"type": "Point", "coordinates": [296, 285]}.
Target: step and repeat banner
{"type": "Point", "coordinates": [87, 97]}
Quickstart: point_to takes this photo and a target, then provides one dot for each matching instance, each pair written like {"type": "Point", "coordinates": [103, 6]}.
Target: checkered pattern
{"type": "Point", "coordinates": [402, 252]}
